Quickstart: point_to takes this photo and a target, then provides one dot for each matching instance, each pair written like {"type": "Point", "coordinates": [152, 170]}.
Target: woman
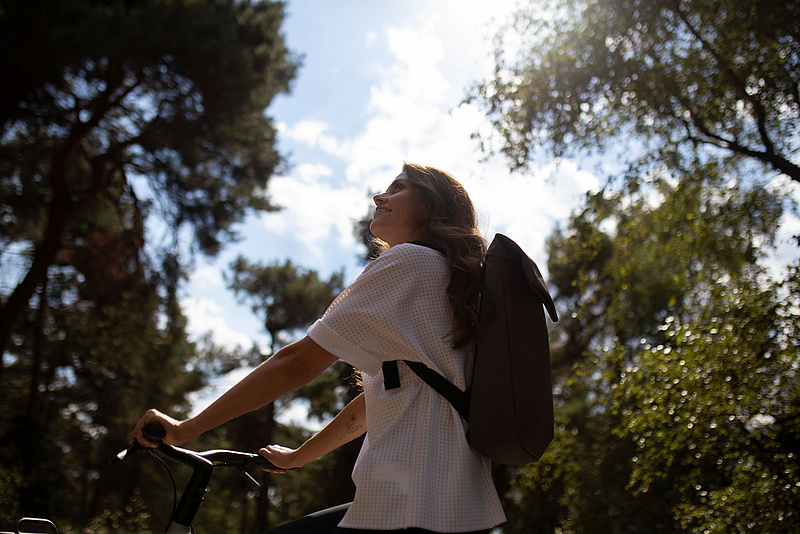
{"type": "Point", "coordinates": [417, 302]}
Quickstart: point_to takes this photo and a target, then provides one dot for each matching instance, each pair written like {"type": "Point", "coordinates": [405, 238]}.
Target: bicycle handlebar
{"type": "Point", "coordinates": [218, 457]}
{"type": "Point", "coordinates": [154, 431]}
{"type": "Point", "coordinates": [202, 464]}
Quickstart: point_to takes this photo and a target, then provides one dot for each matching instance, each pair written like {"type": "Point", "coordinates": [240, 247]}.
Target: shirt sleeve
{"type": "Point", "coordinates": [383, 315]}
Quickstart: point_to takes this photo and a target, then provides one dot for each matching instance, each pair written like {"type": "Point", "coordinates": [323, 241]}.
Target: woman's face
{"type": "Point", "coordinates": [398, 213]}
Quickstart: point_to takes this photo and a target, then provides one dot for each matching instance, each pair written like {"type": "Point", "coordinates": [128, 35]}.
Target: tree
{"type": "Point", "coordinates": [362, 232]}
{"type": "Point", "coordinates": [123, 117]}
{"type": "Point", "coordinates": [716, 74]}
{"type": "Point", "coordinates": [156, 107]}
{"type": "Point", "coordinates": [638, 255]}
{"type": "Point", "coordinates": [288, 298]}
{"type": "Point", "coordinates": [715, 410]}
{"type": "Point", "coordinates": [99, 346]}
{"type": "Point", "coordinates": [628, 263]}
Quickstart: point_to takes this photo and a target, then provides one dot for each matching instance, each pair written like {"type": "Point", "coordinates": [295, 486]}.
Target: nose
{"type": "Point", "coordinates": [379, 199]}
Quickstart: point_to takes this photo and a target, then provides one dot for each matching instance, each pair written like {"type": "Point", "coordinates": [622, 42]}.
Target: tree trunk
{"type": "Point", "coordinates": [44, 257]}
{"type": "Point", "coordinates": [61, 210]}
{"type": "Point", "coordinates": [38, 352]}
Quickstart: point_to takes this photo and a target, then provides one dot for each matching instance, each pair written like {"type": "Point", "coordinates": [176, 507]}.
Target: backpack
{"type": "Point", "coordinates": [509, 406]}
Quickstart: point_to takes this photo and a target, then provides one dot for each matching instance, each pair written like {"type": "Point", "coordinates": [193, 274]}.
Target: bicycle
{"type": "Point", "coordinates": [202, 464]}
{"type": "Point", "coordinates": [184, 509]}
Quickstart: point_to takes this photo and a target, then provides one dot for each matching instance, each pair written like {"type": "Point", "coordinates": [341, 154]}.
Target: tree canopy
{"type": "Point", "coordinates": [157, 107]}
{"type": "Point", "coordinates": [719, 75]}
{"type": "Point", "coordinates": [132, 135]}
{"type": "Point", "coordinates": [287, 296]}
{"type": "Point", "coordinates": [674, 364]}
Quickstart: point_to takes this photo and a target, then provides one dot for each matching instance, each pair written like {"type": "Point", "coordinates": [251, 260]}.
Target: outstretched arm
{"type": "Point", "coordinates": [349, 424]}
{"type": "Point", "coordinates": [291, 367]}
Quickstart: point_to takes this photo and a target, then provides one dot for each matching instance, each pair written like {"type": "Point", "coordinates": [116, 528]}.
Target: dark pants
{"type": "Point", "coordinates": [327, 521]}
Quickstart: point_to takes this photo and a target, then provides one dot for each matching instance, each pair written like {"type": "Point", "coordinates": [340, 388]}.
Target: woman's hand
{"type": "Point", "coordinates": [348, 424]}
{"type": "Point", "coordinates": [282, 457]}
{"type": "Point", "coordinates": [177, 432]}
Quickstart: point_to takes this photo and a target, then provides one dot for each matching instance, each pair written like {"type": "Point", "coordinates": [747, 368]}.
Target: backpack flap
{"type": "Point", "coordinates": [537, 285]}
{"type": "Point", "coordinates": [511, 415]}
{"type": "Point", "coordinates": [505, 247]}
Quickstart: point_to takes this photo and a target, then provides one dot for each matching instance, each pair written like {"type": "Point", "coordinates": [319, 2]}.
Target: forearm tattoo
{"type": "Point", "coordinates": [353, 426]}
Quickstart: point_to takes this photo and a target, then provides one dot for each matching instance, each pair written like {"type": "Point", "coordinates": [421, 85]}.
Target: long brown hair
{"type": "Point", "coordinates": [451, 225]}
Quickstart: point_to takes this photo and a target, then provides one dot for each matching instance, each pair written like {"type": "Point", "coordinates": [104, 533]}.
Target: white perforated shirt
{"type": "Point", "coordinates": [415, 468]}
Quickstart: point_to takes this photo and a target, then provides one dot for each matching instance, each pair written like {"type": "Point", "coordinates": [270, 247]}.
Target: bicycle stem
{"type": "Point", "coordinates": [196, 488]}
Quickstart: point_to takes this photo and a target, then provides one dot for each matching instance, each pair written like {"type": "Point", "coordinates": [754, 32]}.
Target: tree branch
{"type": "Point", "coordinates": [738, 83]}
{"type": "Point", "coordinates": [708, 136]}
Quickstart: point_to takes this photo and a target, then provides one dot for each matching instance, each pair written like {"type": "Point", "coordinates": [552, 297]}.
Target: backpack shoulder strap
{"type": "Point", "coordinates": [459, 399]}
{"type": "Point", "coordinates": [391, 375]}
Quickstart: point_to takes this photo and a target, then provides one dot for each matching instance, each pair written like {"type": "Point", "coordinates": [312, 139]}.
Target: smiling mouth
{"type": "Point", "coordinates": [382, 210]}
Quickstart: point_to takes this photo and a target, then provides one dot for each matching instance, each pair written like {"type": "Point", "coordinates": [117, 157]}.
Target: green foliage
{"type": "Point", "coordinates": [287, 296]}
{"type": "Point", "coordinates": [71, 402]}
{"type": "Point", "coordinates": [675, 363]}
{"type": "Point", "coordinates": [122, 117]}
{"type": "Point", "coordinates": [10, 483]}
{"type": "Point", "coordinates": [579, 485]}
{"type": "Point", "coordinates": [714, 409]}
{"type": "Point", "coordinates": [722, 74]}
{"type": "Point", "coordinates": [648, 251]}
{"type": "Point", "coordinates": [133, 518]}
{"type": "Point", "coordinates": [156, 107]}
{"type": "Point", "coordinates": [364, 236]}
{"type": "Point", "coordinates": [675, 366]}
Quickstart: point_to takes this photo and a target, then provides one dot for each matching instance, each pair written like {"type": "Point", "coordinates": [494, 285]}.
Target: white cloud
{"type": "Point", "coordinates": [313, 209]}
{"type": "Point", "coordinates": [207, 278]}
{"type": "Point", "coordinates": [418, 54]}
{"type": "Point", "coordinates": [786, 250]}
{"type": "Point", "coordinates": [305, 131]}
{"type": "Point", "coordinates": [217, 386]}
{"type": "Point", "coordinates": [313, 134]}
{"type": "Point", "coordinates": [416, 117]}
{"type": "Point", "coordinates": [310, 173]}
{"type": "Point", "coordinates": [205, 315]}
{"type": "Point", "coordinates": [436, 131]}
{"type": "Point", "coordinates": [370, 38]}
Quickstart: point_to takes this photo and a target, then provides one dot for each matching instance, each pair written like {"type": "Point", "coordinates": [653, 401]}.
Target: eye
{"type": "Point", "coordinates": [395, 187]}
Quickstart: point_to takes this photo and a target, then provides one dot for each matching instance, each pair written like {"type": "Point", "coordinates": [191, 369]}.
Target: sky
{"type": "Point", "coordinates": [381, 83]}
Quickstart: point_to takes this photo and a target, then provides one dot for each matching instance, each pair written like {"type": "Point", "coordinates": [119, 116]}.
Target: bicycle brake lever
{"type": "Point", "coordinates": [152, 430]}
{"type": "Point", "coordinates": [121, 455]}
{"type": "Point", "coordinates": [247, 476]}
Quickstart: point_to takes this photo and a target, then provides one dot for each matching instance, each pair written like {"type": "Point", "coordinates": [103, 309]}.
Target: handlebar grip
{"type": "Point", "coordinates": [154, 431]}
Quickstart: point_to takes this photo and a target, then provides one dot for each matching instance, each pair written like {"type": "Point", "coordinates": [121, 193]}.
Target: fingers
{"type": "Point", "coordinates": [277, 450]}
{"type": "Point", "coordinates": [273, 471]}
{"type": "Point", "coordinates": [280, 456]}
{"type": "Point", "coordinates": [276, 470]}
{"type": "Point", "coordinates": [169, 425]}
{"type": "Point", "coordinates": [138, 433]}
